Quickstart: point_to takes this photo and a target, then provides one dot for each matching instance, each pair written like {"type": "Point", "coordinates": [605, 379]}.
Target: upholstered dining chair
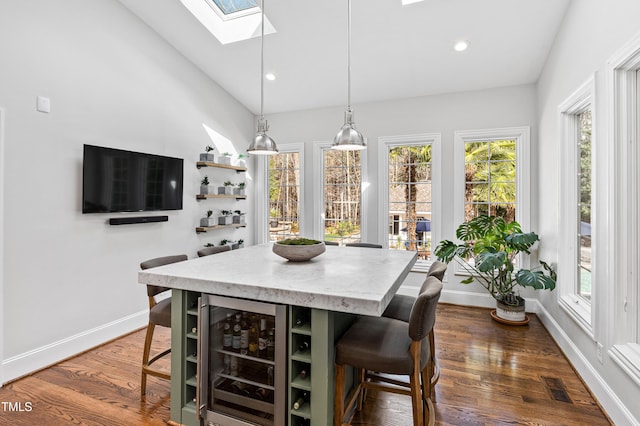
{"type": "Point", "coordinates": [400, 308]}
{"type": "Point", "coordinates": [380, 346]}
{"type": "Point", "coordinates": [207, 251]}
{"type": "Point", "coordinates": [159, 314]}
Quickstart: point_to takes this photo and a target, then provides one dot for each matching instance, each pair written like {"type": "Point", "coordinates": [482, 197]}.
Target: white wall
{"type": "Point", "coordinates": [591, 32]}
{"type": "Point", "coordinates": [70, 280]}
{"type": "Point", "coordinates": [444, 114]}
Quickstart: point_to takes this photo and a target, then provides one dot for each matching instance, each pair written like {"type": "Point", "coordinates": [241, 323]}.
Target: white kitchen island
{"type": "Point", "coordinates": [341, 281]}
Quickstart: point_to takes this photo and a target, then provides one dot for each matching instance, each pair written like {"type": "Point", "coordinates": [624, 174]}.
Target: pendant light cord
{"type": "Point", "coordinates": [349, 55]}
{"type": "Point", "coordinates": [262, 63]}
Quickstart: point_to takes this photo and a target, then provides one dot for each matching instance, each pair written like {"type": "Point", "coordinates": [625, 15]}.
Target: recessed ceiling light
{"type": "Point", "coordinates": [460, 46]}
{"type": "Point", "coordinates": [270, 76]}
{"type": "Point", "coordinates": [406, 2]}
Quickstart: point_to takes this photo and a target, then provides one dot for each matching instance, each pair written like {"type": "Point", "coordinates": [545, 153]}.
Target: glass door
{"type": "Point", "coordinates": [242, 362]}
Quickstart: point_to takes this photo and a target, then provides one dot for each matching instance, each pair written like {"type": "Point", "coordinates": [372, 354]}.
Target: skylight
{"type": "Point", "coordinates": [241, 22]}
{"type": "Point", "coordinates": [232, 9]}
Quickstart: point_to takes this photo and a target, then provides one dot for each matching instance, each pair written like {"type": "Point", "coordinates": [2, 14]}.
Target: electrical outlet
{"type": "Point", "coordinates": [599, 351]}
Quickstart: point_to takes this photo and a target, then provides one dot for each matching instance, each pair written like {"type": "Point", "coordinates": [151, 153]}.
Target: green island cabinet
{"type": "Point", "coordinates": [320, 329]}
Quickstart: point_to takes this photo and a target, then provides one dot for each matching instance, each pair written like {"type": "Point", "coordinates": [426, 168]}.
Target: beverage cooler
{"type": "Point", "coordinates": [241, 362]}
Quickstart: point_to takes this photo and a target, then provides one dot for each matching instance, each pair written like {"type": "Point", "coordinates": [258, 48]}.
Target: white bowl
{"type": "Point", "coordinates": [298, 253]}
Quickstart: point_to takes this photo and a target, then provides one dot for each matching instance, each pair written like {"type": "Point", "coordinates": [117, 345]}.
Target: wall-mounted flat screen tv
{"type": "Point", "coordinates": [115, 180]}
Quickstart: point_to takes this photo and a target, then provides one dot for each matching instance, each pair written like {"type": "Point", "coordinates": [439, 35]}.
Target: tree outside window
{"type": "Point", "coordinates": [410, 175]}
{"type": "Point", "coordinates": [284, 196]}
{"type": "Point", "coordinates": [490, 179]}
{"type": "Point", "coordinates": [342, 196]}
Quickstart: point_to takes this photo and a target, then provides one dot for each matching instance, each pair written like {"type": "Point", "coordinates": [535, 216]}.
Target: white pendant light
{"type": "Point", "coordinates": [262, 144]}
{"type": "Point", "coordinates": [348, 138]}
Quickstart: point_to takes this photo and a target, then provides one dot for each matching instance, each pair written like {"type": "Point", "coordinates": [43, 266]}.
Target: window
{"type": "Point", "coordinates": [492, 175]}
{"type": "Point", "coordinates": [231, 7]}
{"type": "Point", "coordinates": [284, 195]}
{"type": "Point", "coordinates": [342, 195]}
{"type": "Point", "coordinates": [623, 209]}
{"type": "Point", "coordinates": [490, 178]}
{"type": "Point", "coordinates": [409, 203]}
{"type": "Point", "coordinates": [584, 205]}
{"type": "Point", "coordinates": [576, 259]}
{"type": "Point", "coordinates": [229, 20]}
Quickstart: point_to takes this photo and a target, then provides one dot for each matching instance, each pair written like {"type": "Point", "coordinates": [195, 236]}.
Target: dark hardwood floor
{"type": "Point", "coordinates": [492, 374]}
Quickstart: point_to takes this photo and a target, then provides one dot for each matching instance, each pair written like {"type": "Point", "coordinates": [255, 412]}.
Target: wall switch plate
{"type": "Point", "coordinates": [43, 104]}
{"type": "Point", "coordinates": [599, 351]}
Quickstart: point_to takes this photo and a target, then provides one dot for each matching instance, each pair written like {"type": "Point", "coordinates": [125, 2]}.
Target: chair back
{"type": "Point", "coordinates": [369, 245]}
{"type": "Point", "coordinates": [207, 251]}
{"type": "Point", "coordinates": [423, 312]}
{"type": "Point", "coordinates": [437, 269]}
{"type": "Point", "coordinates": [152, 290]}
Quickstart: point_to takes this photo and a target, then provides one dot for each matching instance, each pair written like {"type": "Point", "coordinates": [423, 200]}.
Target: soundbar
{"type": "Point", "coordinates": [137, 219]}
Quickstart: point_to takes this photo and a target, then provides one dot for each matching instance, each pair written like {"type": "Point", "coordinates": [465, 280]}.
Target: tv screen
{"type": "Point", "coordinates": [114, 180]}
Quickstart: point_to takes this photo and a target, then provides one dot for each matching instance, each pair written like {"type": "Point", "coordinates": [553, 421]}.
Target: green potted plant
{"type": "Point", "coordinates": [240, 243]}
{"type": "Point", "coordinates": [242, 162]}
{"type": "Point", "coordinates": [208, 154]}
{"type": "Point", "coordinates": [488, 251]}
{"type": "Point", "coordinates": [240, 189]}
{"type": "Point", "coordinates": [204, 186]}
{"type": "Point", "coordinates": [238, 217]}
{"type": "Point", "coordinates": [225, 217]}
{"type": "Point", "coordinates": [225, 158]}
{"type": "Point", "coordinates": [208, 220]}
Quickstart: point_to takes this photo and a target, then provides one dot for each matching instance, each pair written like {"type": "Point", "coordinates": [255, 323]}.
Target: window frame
{"type": "Point", "coordinates": [385, 143]}
{"type": "Point", "coordinates": [262, 202]}
{"type": "Point", "coordinates": [623, 136]}
{"type": "Point", "coordinates": [522, 136]}
{"type": "Point", "coordinates": [290, 149]}
{"type": "Point", "coordinates": [576, 306]}
{"type": "Point", "coordinates": [318, 188]}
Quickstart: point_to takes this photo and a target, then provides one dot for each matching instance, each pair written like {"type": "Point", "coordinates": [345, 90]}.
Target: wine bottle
{"type": "Point", "coordinates": [300, 321]}
{"type": "Point", "coordinates": [253, 338]}
{"type": "Point", "coordinates": [227, 336]}
{"type": "Point", "coordinates": [237, 328]}
{"type": "Point", "coordinates": [262, 394]}
{"type": "Point", "coordinates": [240, 388]}
{"type": "Point", "coordinates": [233, 366]}
{"type": "Point", "coordinates": [271, 344]}
{"type": "Point", "coordinates": [227, 364]}
{"type": "Point", "coordinates": [302, 399]}
{"type": "Point", "coordinates": [244, 334]}
{"type": "Point", "coordinates": [302, 422]}
{"type": "Point", "coordinates": [304, 346]}
{"type": "Point", "coordinates": [262, 339]}
{"type": "Point", "coordinates": [304, 373]}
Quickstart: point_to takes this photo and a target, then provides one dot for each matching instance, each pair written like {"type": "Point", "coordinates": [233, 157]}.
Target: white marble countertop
{"type": "Point", "coordinates": [344, 279]}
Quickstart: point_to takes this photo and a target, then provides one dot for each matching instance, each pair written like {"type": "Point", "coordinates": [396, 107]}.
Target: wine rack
{"type": "Point", "coordinates": [300, 365]}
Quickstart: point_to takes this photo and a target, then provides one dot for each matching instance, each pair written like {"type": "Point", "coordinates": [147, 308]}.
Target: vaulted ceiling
{"type": "Point", "coordinates": [397, 51]}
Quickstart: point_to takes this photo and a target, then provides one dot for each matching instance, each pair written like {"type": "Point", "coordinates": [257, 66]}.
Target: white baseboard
{"type": "Point", "coordinates": [609, 401]}
{"type": "Point", "coordinates": [36, 359]}
{"type": "Point", "coordinates": [607, 398]}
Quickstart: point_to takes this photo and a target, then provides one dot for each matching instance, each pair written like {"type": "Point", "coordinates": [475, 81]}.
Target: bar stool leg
{"type": "Point", "coordinates": [362, 393]}
{"type": "Point", "coordinates": [145, 359]}
{"type": "Point", "coordinates": [415, 385]}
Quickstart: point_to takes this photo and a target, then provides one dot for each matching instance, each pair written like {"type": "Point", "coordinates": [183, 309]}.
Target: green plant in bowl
{"type": "Point", "coordinates": [298, 249]}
